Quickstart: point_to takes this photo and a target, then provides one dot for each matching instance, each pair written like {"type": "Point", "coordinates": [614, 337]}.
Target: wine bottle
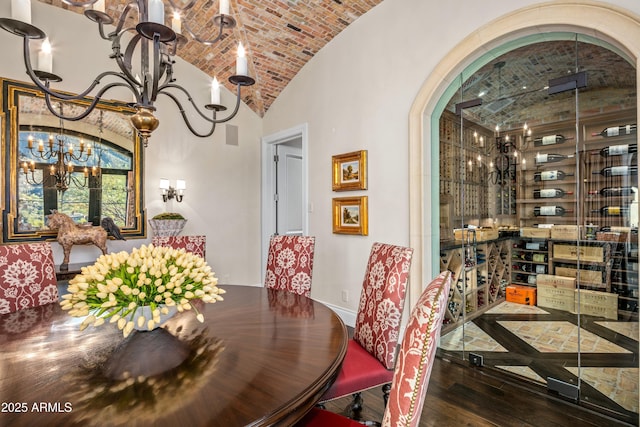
{"type": "Point", "coordinates": [522, 267]}
{"type": "Point", "coordinates": [617, 130]}
{"type": "Point", "coordinates": [551, 158]}
{"type": "Point", "coordinates": [613, 191]}
{"type": "Point", "coordinates": [539, 258]}
{"type": "Point", "coordinates": [633, 230]}
{"type": "Point", "coordinates": [522, 278]}
{"type": "Point", "coordinates": [550, 140]}
{"type": "Point", "coordinates": [618, 171]}
{"type": "Point", "coordinates": [550, 211]}
{"type": "Point", "coordinates": [554, 175]}
{"type": "Point", "coordinates": [536, 246]}
{"type": "Point", "coordinates": [618, 150]}
{"type": "Point", "coordinates": [548, 193]}
{"type": "Point", "coordinates": [612, 210]}
{"type": "Point", "coordinates": [541, 269]}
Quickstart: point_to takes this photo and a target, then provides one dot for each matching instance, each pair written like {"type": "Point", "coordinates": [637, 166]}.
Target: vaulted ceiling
{"type": "Point", "coordinates": [279, 36]}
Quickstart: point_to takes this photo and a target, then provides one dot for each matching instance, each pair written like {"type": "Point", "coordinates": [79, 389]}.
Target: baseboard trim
{"type": "Point", "coordinates": [347, 316]}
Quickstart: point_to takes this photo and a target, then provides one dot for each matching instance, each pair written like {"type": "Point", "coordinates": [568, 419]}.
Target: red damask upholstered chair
{"type": "Point", "coordinates": [194, 244]}
{"type": "Point", "coordinates": [27, 276]}
{"type": "Point", "coordinates": [371, 354]}
{"type": "Point", "coordinates": [415, 360]}
{"type": "Point", "coordinates": [290, 264]}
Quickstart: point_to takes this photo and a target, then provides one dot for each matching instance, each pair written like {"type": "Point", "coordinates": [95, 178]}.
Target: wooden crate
{"type": "Point", "coordinates": [612, 236]}
{"type": "Point", "coordinates": [587, 253]}
{"type": "Point", "coordinates": [521, 294]}
{"type": "Point", "coordinates": [482, 234]}
{"type": "Point", "coordinates": [554, 292]}
{"type": "Point", "coordinates": [586, 276]}
{"type": "Point", "coordinates": [565, 232]}
{"type": "Point", "coordinates": [599, 311]}
{"type": "Point", "coordinates": [556, 281]}
{"type": "Point", "coordinates": [542, 233]}
{"type": "Point", "coordinates": [559, 302]}
{"type": "Point", "coordinates": [603, 299]}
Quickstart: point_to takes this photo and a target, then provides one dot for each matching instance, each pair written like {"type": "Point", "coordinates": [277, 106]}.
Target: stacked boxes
{"type": "Point", "coordinates": [556, 292]}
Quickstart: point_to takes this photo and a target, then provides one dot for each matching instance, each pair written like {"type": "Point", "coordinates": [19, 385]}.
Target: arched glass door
{"type": "Point", "coordinates": [539, 218]}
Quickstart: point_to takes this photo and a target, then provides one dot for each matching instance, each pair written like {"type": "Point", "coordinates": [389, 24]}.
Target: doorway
{"type": "Point", "coordinates": [491, 41]}
{"type": "Point", "coordinates": [284, 185]}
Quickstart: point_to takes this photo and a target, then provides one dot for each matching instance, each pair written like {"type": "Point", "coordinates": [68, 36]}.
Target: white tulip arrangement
{"type": "Point", "coordinates": [118, 285]}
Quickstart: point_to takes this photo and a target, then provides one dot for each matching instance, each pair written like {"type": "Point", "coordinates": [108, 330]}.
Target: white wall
{"type": "Point", "coordinates": [356, 94]}
{"type": "Point", "coordinates": [222, 200]}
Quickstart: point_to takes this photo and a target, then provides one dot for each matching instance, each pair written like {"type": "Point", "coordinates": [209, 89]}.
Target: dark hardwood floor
{"type": "Point", "coordinates": [459, 395]}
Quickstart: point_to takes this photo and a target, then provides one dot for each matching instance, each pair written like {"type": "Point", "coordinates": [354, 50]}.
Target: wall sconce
{"type": "Point", "coordinates": [168, 192]}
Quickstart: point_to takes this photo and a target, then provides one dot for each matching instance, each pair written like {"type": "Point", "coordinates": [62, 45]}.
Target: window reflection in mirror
{"type": "Point", "coordinates": [99, 174]}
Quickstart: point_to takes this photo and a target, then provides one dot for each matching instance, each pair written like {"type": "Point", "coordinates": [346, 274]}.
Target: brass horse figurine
{"type": "Point", "coordinates": [69, 234]}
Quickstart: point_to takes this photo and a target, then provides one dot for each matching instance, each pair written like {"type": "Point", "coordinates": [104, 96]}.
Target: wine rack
{"type": "Point", "coordinates": [530, 257]}
{"type": "Point", "coordinates": [624, 280]}
{"type": "Point", "coordinates": [463, 169]}
{"type": "Point", "coordinates": [480, 273]}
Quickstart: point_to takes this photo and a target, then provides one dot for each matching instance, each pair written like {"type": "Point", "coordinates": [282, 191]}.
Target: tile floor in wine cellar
{"type": "Point", "coordinates": [537, 343]}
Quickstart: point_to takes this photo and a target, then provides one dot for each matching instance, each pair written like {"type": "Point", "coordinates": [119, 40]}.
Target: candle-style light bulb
{"type": "Point", "coordinates": [45, 57]}
{"type": "Point", "coordinates": [30, 142]}
{"type": "Point", "coordinates": [176, 23]}
{"type": "Point", "coordinates": [156, 11]}
{"type": "Point", "coordinates": [215, 92]}
{"type": "Point", "coordinates": [224, 7]}
{"type": "Point", "coordinates": [99, 6]}
{"type": "Point", "coordinates": [21, 10]}
{"type": "Point", "coordinates": [241, 61]}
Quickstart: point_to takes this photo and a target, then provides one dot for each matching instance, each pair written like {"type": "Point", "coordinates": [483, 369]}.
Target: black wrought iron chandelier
{"type": "Point", "coordinates": [153, 77]}
{"type": "Point", "coordinates": [62, 154]}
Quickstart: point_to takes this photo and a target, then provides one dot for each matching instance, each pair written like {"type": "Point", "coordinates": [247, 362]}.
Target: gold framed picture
{"type": "Point", "coordinates": [350, 171]}
{"type": "Point", "coordinates": [350, 215]}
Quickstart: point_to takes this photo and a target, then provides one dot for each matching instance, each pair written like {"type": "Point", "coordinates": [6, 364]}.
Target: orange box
{"type": "Point", "coordinates": [521, 294]}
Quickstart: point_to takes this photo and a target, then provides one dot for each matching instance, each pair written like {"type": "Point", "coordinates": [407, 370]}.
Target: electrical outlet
{"type": "Point", "coordinates": [345, 295]}
{"type": "Point", "coordinates": [476, 359]}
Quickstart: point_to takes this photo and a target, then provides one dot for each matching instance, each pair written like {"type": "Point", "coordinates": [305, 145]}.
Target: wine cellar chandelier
{"type": "Point", "coordinates": [153, 77]}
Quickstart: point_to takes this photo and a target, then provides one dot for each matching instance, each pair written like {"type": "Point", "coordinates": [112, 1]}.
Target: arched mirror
{"type": "Point", "coordinates": [88, 169]}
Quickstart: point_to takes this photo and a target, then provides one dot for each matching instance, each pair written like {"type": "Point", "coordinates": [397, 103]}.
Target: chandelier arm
{"type": "Point", "coordinates": [90, 107]}
{"type": "Point", "coordinates": [124, 62]}
{"type": "Point", "coordinates": [205, 42]}
{"type": "Point", "coordinates": [58, 95]}
{"type": "Point", "coordinates": [186, 119]}
{"type": "Point", "coordinates": [190, 99]}
{"type": "Point", "coordinates": [156, 67]}
{"type": "Point", "coordinates": [214, 120]}
{"type": "Point", "coordinates": [123, 16]}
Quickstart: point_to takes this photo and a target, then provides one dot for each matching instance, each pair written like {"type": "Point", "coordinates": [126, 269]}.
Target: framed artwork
{"type": "Point", "coordinates": [350, 215]}
{"type": "Point", "coordinates": [350, 171]}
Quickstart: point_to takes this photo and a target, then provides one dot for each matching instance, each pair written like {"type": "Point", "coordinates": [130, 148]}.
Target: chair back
{"type": "Point", "coordinates": [290, 264]}
{"type": "Point", "coordinates": [193, 244]}
{"type": "Point", "coordinates": [382, 300]}
{"type": "Point", "coordinates": [27, 276]}
{"type": "Point", "coordinates": [418, 350]}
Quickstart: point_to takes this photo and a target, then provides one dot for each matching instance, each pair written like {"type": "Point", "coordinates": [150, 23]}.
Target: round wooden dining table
{"type": "Point", "coordinates": [261, 357]}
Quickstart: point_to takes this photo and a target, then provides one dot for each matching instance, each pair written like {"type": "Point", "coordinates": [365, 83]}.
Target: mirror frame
{"type": "Point", "coordinates": [9, 124]}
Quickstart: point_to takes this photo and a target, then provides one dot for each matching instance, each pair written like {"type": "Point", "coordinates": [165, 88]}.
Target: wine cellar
{"type": "Point", "coordinates": [568, 216]}
{"type": "Point", "coordinates": [538, 221]}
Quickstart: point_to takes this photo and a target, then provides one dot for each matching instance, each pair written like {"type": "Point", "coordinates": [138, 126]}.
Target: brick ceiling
{"type": "Point", "coordinates": [514, 91]}
{"type": "Point", "coordinates": [279, 36]}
